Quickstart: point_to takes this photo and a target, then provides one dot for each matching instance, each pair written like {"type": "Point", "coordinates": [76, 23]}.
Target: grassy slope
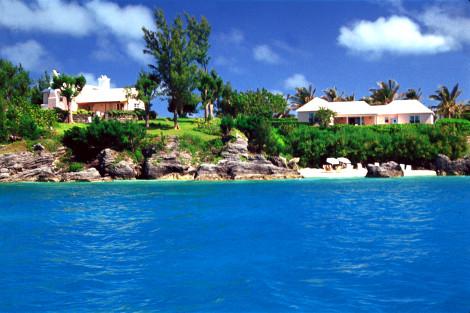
{"type": "Point", "coordinates": [157, 127]}
{"type": "Point", "coordinates": [188, 126]}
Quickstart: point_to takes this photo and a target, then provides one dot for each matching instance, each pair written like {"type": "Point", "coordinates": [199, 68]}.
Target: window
{"type": "Point", "coordinates": [311, 117]}
{"type": "Point", "coordinates": [355, 120]}
{"type": "Point", "coordinates": [387, 120]}
{"type": "Point", "coordinates": [414, 119]}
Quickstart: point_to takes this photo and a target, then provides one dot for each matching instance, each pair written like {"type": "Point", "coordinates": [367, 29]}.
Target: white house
{"type": "Point", "coordinates": [361, 113]}
{"type": "Point", "coordinates": [101, 98]}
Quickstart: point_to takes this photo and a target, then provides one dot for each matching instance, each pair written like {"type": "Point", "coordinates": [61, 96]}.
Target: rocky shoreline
{"type": "Point", "coordinates": [170, 163]}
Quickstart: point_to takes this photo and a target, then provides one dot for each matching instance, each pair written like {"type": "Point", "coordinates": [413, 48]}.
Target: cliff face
{"type": "Point", "coordinates": [238, 164]}
{"type": "Point", "coordinates": [169, 163]}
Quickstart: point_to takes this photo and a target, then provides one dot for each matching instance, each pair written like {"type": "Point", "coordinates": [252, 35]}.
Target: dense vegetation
{"type": "Point", "coordinates": [87, 142]}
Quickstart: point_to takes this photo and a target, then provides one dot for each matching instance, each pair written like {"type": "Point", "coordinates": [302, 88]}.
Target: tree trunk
{"type": "Point", "coordinates": [206, 112]}
{"type": "Point", "coordinates": [211, 111]}
{"type": "Point", "coordinates": [69, 107]}
{"type": "Point", "coordinates": [147, 118]}
{"type": "Point", "coordinates": [175, 120]}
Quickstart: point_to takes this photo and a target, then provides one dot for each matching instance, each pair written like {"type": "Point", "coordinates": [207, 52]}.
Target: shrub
{"type": "Point", "coordinates": [460, 124]}
{"type": "Point", "coordinates": [83, 111]}
{"type": "Point", "coordinates": [75, 167]}
{"type": "Point", "coordinates": [226, 125]}
{"type": "Point", "coordinates": [87, 142]}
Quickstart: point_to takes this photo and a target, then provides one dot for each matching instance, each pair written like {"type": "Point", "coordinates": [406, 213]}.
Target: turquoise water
{"type": "Point", "coordinates": [309, 246]}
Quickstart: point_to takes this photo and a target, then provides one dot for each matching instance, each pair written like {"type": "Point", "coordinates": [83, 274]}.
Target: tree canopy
{"type": "Point", "coordinates": [179, 50]}
{"type": "Point", "coordinates": [70, 87]}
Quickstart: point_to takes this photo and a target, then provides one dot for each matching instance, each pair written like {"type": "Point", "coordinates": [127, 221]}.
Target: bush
{"type": "Point", "coordinates": [460, 124]}
{"type": "Point", "coordinates": [86, 143]}
{"type": "Point", "coordinates": [226, 124]}
{"type": "Point", "coordinates": [24, 120]}
{"type": "Point", "coordinates": [75, 167]}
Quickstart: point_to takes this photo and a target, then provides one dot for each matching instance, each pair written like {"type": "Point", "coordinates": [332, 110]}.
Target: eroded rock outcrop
{"type": "Point", "coordinates": [385, 170]}
{"type": "Point", "coordinates": [112, 164]}
{"type": "Point", "coordinates": [88, 175]}
{"type": "Point", "coordinates": [445, 166]}
{"type": "Point", "coordinates": [169, 163]}
{"type": "Point", "coordinates": [28, 166]}
{"type": "Point", "coordinates": [238, 164]}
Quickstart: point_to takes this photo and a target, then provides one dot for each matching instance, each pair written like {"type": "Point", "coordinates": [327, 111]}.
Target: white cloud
{"type": "Point", "coordinates": [29, 53]}
{"type": "Point", "coordinates": [135, 49]}
{"type": "Point", "coordinates": [447, 22]}
{"type": "Point", "coordinates": [51, 16]}
{"type": "Point", "coordinates": [396, 34]}
{"type": "Point", "coordinates": [124, 21]}
{"type": "Point", "coordinates": [229, 63]}
{"type": "Point", "coordinates": [264, 53]}
{"type": "Point", "coordinates": [90, 78]}
{"type": "Point", "coordinates": [96, 17]}
{"type": "Point", "coordinates": [295, 81]}
{"type": "Point", "coordinates": [235, 36]}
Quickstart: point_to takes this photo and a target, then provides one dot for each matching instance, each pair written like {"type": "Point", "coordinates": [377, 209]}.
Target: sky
{"type": "Point", "coordinates": [275, 44]}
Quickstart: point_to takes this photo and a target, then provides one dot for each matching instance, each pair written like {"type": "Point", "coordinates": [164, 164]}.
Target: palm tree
{"type": "Point", "coordinates": [386, 93]}
{"type": "Point", "coordinates": [301, 97]}
{"type": "Point", "coordinates": [448, 105]}
{"type": "Point", "coordinates": [332, 95]}
{"type": "Point", "coordinates": [349, 98]}
{"type": "Point", "coordinates": [412, 94]}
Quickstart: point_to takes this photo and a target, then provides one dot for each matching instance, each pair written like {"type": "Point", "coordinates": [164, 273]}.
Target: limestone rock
{"type": "Point", "coordinates": [236, 149]}
{"type": "Point", "coordinates": [27, 166]}
{"type": "Point", "coordinates": [109, 165]}
{"type": "Point", "coordinates": [237, 164]}
{"type": "Point", "coordinates": [171, 163]}
{"type": "Point", "coordinates": [385, 170]}
{"type": "Point", "coordinates": [278, 161]}
{"type": "Point", "coordinates": [294, 164]}
{"type": "Point", "coordinates": [445, 166]}
{"type": "Point", "coordinates": [88, 175]}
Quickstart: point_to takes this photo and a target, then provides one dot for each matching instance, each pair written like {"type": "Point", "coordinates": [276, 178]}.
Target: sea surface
{"type": "Point", "coordinates": [359, 245]}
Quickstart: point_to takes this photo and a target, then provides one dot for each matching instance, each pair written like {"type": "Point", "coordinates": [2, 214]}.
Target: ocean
{"type": "Point", "coordinates": [350, 245]}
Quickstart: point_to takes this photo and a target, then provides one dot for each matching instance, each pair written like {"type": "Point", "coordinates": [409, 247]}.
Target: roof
{"type": "Point", "coordinates": [93, 94]}
{"type": "Point", "coordinates": [402, 107]}
{"type": "Point", "coordinates": [363, 108]}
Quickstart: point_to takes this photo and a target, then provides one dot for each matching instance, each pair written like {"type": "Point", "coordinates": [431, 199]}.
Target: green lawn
{"type": "Point", "coordinates": [188, 126]}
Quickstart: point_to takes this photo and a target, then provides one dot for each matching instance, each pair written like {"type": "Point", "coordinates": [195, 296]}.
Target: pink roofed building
{"type": "Point", "coordinates": [361, 113]}
{"type": "Point", "coordinates": [98, 99]}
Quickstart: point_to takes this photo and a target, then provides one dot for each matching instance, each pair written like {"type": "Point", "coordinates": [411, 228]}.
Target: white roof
{"type": "Point", "coordinates": [93, 94]}
{"type": "Point", "coordinates": [402, 107]}
{"type": "Point", "coordinates": [363, 108]}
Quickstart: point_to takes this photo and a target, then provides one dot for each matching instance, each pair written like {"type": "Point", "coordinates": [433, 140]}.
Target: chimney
{"type": "Point", "coordinates": [104, 82]}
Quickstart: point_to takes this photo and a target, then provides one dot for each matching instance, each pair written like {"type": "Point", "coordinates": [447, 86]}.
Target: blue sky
{"type": "Point", "coordinates": [273, 44]}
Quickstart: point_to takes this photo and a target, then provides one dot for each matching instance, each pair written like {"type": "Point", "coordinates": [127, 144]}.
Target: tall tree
{"type": "Point", "coordinates": [70, 87]}
{"type": "Point", "coordinates": [224, 105]}
{"type": "Point", "coordinates": [14, 82]}
{"type": "Point", "coordinates": [386, 93]}
{"type": "Point", "coordinates": [301, 97]}
{"type": "Point", "coordinates": [14, 91]}
{"type": "Point", "coordinates": [42, 83]}
{"type": "Point", "coordinates": [145, 90]}
{"type": "Point", "coordinates": [448, 105]}
{"type": "Point", "coordinates": [179, 51]}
